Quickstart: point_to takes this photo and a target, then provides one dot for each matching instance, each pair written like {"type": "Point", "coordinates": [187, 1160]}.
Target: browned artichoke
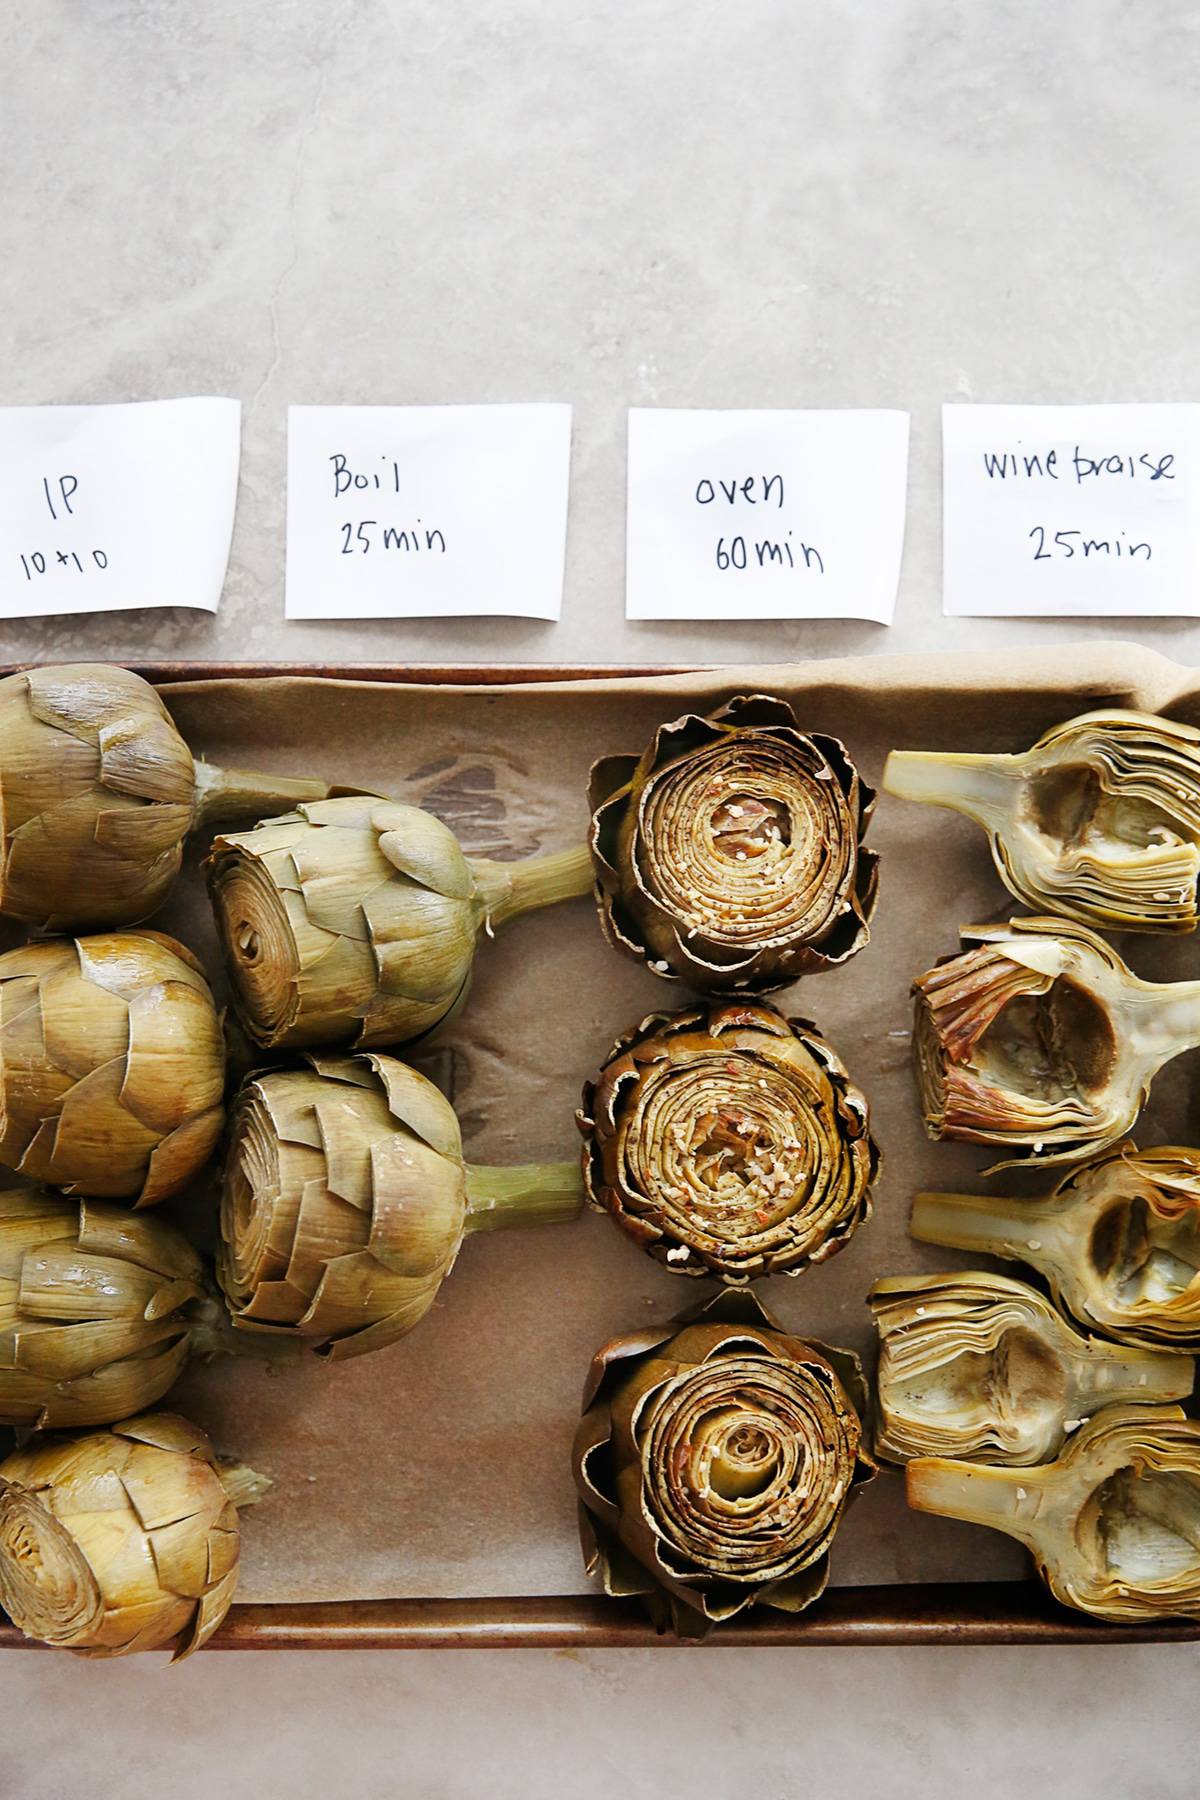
{"type": "Point", "coordinates": [729, 855]}
{"type": "Point", "coordinates": [727, 1140]}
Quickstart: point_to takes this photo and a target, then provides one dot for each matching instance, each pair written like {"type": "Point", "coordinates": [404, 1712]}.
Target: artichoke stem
{"type": "Point", "coordinates": [244, 1485]}
{"type": "Point", "coordinates": [998, 1224]}
{"type": "Point", "coordinates": [1164, 1019]}
{"type": "Point", "coordinates": [242, 797]}
{"type": "Point", "coordinates": [1006, 1499]}
{"type": "Point", "coordinates": [983, 787]}
{"type": "Point", "coordinates": [510, 889]}
{"type": "Point", "coordinates": [1144, 1376]}
{"type": "Point", "coordinates": [530, 1194]}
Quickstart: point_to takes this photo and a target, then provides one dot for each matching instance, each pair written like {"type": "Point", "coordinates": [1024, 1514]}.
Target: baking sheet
{"type": "Point", "coordinates": [440, 1467]}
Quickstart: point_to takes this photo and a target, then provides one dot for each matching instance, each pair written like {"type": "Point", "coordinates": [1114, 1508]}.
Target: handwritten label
{"type": "Point", "coordinates": [765, 515]}
{"type": "Point", "coordinates": [404, 512]}
{"type": "Point", "coordinates": [105, 508]}
{"type": "Point", "coordinates": [1071, 510]}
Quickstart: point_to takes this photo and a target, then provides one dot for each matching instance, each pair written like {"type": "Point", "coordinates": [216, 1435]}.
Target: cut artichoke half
{"type": "Point", "coordinates": [1041, 1040]}
{"type": "Point", "coordinates": [729, 855]}
{"type": "Point", "coordinates": [726, 1140]}
{"type": "Point", "coordinates": [1118, 1241]}
{"type": "Point", "coordinates": [1113, 1525]}
{"type": "Point", "coordinates": [1098, 822]}
{"type": "Point", "coordinates": [980, 1366]}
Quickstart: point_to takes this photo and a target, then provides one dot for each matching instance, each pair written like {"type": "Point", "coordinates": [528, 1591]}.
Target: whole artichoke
{"type": "Point", "coordinates": [1098, 822]}
{"type": "Point", "coordinates": [1118, 1241]}
{"type": "Point", "coordinates": [1041, 1040]}
{"type": "Point", "coordinates": [98, 792]}
{"type": "Point", "coordinates": [729, 854]}
{"type": "Point", "coordinates": [727, 1140]}
{"type": "Point", "coordinates": [346, 1199]}
{"type": "Point", "coordinates": [355, 920]}
{"type": "Point", "coordinates": [112, 1065]}
{"type": "Point", "coordinates": [714, 1460]}
{"type": "Point", "coordinates": [981, 1366]}
{"type": "Point", "coordinates": [1113, 1525]}
{"type": "Point", "coordinates": [122, 1540]}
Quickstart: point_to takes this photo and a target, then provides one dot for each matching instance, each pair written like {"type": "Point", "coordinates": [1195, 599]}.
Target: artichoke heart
{"type": "Point", "coordinates": [1118, 1241]}
{"type": "Point", "coordinates": [729, 855]}
{"type": "Point", "coordinates": [98, 792]}
{"type": "Point", "coordinates": [112, 1065]}
{"type": "Point", "coordinates": [123, 1540]}
{"type": "Point", "coordinates": [1113, 1525]}
{"type": "Point", "coordinates": [1042, 1041]}
{"type": "Point", "coordinates": [726, 1140]}
{"type": "Point", "coordinates": [978, 1365]}
{"type": "Point", "coordinates": [355, 920]}
{"type": "Point", "coordinates": [714, 1460]}
{"type": "Point", "coordinates": [346, 1198]}
{"type": "Point", "coordinates": [1098, 822]}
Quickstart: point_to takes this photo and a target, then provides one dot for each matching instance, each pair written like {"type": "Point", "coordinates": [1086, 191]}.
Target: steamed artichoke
{"type": "Point", "coordinates": [355, 920]}
{"type": "Point", "coordinates": [97, 794]}
{"type": "Point", "coordinates": [1099, 822]}
{"type": "Point", "coordinates": [1118, 1240]}
{"type": "Point", "coordinates": [729, 854]}
{"type": "Point", "coordinates": [346, 1199]}
{"type": "Point", "coordinates": [123, 1540]}
{"type": "Point", "coordinates": [729, 1141]}
{"type": "Point", "coordinates": [112, 1065]}
{"type": "Point", "coordinates": [1041, 1040]}
{"type": "Point", "coordinates": [1113, 1525]}
{"type": "Point", "coordinates": [714, 1460]}
{"type": "Point", "coordinates": [982, 1366]}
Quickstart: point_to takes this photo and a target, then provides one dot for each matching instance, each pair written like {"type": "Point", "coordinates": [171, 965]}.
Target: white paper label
{"type": "Point", "coordinates": [406, 512]}
{"type": "Point", "coordinates": [765, 515]}
{"type": "Point", "coordinates": [1071, 510]}
{"type": "Point", "coordinates": [104, 508]}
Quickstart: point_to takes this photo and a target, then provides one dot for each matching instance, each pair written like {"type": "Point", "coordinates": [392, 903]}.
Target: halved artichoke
{"type": "Point", "coordinates": [1098, 822]}
{"type": "Point", "coordinates": [1041, 1040]}
{"type": "Point", "coordinates": [714, 1460]}
{"type": "Point", "coordinates": [979, 1365]}
{"type": "Point", "coordinates": [1118, 1240]}
{"type": "Point", "coordinates": [729, 854]}
{"type": "Point", "coordinates": [727, 1140]}
{"type": "Point", "coordinates": [355, 920]}
{"type": "Point", "coordinates": [1113, 1525]}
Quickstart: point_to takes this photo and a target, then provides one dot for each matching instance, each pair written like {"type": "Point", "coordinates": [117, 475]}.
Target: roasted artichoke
{"type": "Point", "coordinates": [112, 1065]}
{"type": "Point", "coordinates": [714, 1460]}
{"type": "Point", "coordinates": [346, 1199]}
{"type": "Point", "coordinates": [1118, 1240]}
{"type": "Point", "coordinates": [729, 855]}
{"type": "Point", "coordinates": [355, 920]}
{"type": "Point", "coordinates": [98, 792]}
{"type": "Point", "coordinates": [981, 1366]}
{"type": "Point", "coordinates": [1099, 822]}
{"type": "Point", "coordinates": [1113, 1525]}
{"type": "Point", "coordinates": [122, 1540]}
{"type": "Point", "coordinates": [1042, 1041]}
{"type": "Point", "coordinates": [727, 1140]}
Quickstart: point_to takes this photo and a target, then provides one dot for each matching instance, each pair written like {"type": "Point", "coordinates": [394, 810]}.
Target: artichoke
{"type": "Point", "coordinates": [112, 1065]}
{"type": "Point", "coordinates": [1099, 822]}
{"type": "Point", "coordinates": [727, 1140]}
{"type": "Point", "coordinates": [123, 1540]}
{"type": "Point", "coordinates": [982, 1366]}
{"type": "Point", "coordinates": [729, 855]}
{"type": "Point", "coordinates": [1118, 1240]}
{"type": "Point", "coordinates": [355, 920]}
{"type": "Point", "coordinates": [346, 1198]}
{"type": "Point", "coordinates": [98, 792]}
{"type": "Point", "coordinates": [1113, 1525]}
{"type": "Point", "coordinates": [1041, 1040]}
{"type": "Point", "coordinates": [714, 1460]}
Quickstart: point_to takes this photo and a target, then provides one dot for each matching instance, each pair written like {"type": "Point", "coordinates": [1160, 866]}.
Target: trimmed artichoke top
{"type": "Point", "coordinates": [714, 1460]}
{"type": "Point", "coordinates": [729, 855]}
{"type": "Point", "coordinates": [726, 1140]}
{"type": "Point", "coordinates": [1098, 822]}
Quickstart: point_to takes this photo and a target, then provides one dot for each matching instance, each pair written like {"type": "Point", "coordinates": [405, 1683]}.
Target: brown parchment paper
{"type": "Point", "coordinates": [440, 1467]}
